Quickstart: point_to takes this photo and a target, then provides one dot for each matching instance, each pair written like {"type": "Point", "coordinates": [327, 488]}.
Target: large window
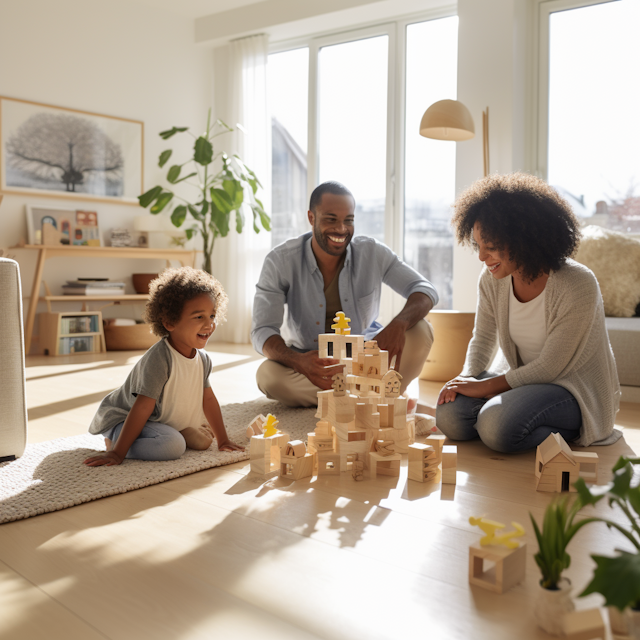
{"type": "Point", "coordinates": [367, 91]}
{"type": "Point", "coordinates": [352, 125]}
{"type": "Point", "coordinates": [288, 88]}
{"type": "Point", "coordinates": [593, 112]}
{"type": "Point", "coordinates": [432, 54]}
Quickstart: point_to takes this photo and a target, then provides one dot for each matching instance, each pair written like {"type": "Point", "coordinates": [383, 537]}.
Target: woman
{"type": "Point", "coordinates": [545, 312]}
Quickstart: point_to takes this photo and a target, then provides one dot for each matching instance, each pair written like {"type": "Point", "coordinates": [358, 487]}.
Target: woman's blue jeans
{"type": "Point", "coordinates": [156, 441]}
{"type": "Point", "coordinates": [516, 420]}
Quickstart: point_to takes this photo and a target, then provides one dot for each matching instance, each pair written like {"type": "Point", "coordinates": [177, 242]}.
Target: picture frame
{"type": "Point", "coordinates": [106, 164]}
{"type": "Point", "coordinates": [62, 226]}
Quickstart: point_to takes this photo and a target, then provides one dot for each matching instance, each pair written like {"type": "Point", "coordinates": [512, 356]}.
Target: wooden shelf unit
{"type": "Point", "coordinates": [51, 332]}
{"type": "Point", "coordinates": [183, 256]}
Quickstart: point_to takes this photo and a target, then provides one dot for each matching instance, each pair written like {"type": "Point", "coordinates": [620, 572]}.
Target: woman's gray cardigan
{"type": "Point", "coordinates": [576, 354]}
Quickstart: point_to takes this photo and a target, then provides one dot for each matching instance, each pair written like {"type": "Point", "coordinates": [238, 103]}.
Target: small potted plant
{"type": "Point", "coordinates": [617, 578]}
{"type": "Point", "coordinates": [558, 528]}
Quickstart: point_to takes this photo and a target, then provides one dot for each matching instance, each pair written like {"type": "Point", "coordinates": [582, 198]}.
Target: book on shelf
{"type": "Point", "coordinates": [79, 324]}
{"type": "Point", "coordinates": [73, 290]}
{"type": "Point", "coordinates": [81, 344]}
{"type": "Point", "coordinates": [103, 283]}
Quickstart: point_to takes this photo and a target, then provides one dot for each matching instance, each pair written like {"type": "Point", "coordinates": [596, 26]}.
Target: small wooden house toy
{"type": "Point", "coordinates": [584, 625]}
{"type": "Point", "coordinates": [296, 463]}
{"type": "Point", "coordinates": [558, 467]}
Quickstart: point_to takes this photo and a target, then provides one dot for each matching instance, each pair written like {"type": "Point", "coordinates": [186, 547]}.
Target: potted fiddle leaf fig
{"type": "Point", "coordinates": [558, 528]}
{"type": "Point", "coordinates": [617, 578]}
{"type": "Point", "coordinates": [223, 185]}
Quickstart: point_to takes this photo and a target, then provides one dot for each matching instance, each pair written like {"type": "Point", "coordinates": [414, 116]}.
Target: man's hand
{"type": "Point", "coordinates": [392, 339]}
{"type": "Point", "coordinates": [229, 446]}
{"type": "Point", "coordinates": [108, 459]}
{"type": "Point", "coordinates": [318, 370]}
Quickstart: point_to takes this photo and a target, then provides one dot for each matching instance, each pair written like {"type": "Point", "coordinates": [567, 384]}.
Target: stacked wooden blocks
{"type": "Point", "coordinates": [266, 452]}
{"type": "Point", "coordinates": [297, 463]}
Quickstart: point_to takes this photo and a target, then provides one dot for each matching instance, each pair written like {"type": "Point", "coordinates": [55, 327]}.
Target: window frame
{"type": "Point", "coordinates": [396, 30]}
{"type": "Point", "coordinates": [542, 73]}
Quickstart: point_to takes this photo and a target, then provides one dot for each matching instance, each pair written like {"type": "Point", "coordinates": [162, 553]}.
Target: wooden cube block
{"type": "Point", "coordinates": [384, 465]}
{"type": "Point", "coordinates": [584, 625]}
{"type": "Point", "coordinates": [328, 463]}
{"type": "Point", "coordinates": [508, 570]}
{"type": "Point", "coordinates": [436, 441]}
{"type": "Point", "coordinates": [449, 464]}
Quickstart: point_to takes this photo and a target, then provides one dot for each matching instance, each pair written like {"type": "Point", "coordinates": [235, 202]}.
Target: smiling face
{"type": "Point", "coordinates": [333, 223]}
{"type": "Point", "coordinates": [497, 261]}
{"type": "Point", "coordinates": [195, 326]}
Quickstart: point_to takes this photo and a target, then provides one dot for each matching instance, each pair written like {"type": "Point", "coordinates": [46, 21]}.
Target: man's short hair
{"type": "Point", "coordinates": [333, 187]}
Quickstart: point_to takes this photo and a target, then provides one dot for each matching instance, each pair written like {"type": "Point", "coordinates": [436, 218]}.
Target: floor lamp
{"type": "Point", "coordinates": [451, 120]}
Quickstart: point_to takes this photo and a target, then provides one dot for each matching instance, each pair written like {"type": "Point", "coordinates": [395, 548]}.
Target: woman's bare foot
{"type": "Point", "coordinates": [425, 408]}
{"type": "Point", "coordinates": [412, 403]}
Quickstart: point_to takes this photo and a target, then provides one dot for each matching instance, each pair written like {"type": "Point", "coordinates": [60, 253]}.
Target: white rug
{"type": "Point", "coordinates": [50, 475]}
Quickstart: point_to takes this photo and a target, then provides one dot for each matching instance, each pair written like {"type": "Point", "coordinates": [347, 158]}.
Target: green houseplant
{"type": "Point", "coordinates": [223, 184]}
{"type": "Point", "coordinates": [617, 578]}
{"type": "Point", "coordinates": [558, 529]}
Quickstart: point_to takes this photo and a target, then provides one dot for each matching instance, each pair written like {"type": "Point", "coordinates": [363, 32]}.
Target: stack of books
{"type": "Point", "coordinates": [91, 287]}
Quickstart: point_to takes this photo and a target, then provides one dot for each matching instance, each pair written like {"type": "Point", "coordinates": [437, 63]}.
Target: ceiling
{"type": "Point", "coordinates": [196, 8]}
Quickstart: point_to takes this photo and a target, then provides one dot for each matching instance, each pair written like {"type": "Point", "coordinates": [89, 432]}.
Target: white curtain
{"type": "Point", "coordinates": [239, 257]}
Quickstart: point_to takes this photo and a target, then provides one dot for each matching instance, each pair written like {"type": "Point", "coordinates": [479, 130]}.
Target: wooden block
{"type": "Point", "coordinates": [400, 413]}
{"type": "Point", "coordinates": [584, 625]}
{"type": "Point", "coordinates": [328, 463]}
{"type": "Point", "coordinates": [588, 465]}
{"type": "Point", "coordinates": [323, 429]}
{"type": "Point", "coordinates": [323, 403]}
{"type": "Point", "coordinates": [295, 448]}
{"type": "Point", "coordinates": [436, 441]}
{"type": "Point", "coordinates": [508, 571]}
{"type": "Point", "coordinates": [366, 417]}
{"type": "Point", "coordinates": [311, 442]}
{"type": "Point", "coordinates": [304, 466]}
{"type": "Point", "coordinates": [449, 464]}
{"type": "Point", "coordinates": [256, 426]}
{"type": "Point", "coordinates": [384, 465]}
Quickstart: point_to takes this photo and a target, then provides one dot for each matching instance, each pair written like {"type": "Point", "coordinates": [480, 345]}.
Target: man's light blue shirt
{"type": "Point", "coordinates": [291, 280]}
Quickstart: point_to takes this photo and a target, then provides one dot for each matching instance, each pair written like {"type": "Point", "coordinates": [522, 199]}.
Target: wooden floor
{"type": "Point", "coordinates": [222, 554]}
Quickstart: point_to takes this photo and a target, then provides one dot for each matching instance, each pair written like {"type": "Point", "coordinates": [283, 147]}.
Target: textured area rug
{"type": "Point", "coordinates": [50, 475]}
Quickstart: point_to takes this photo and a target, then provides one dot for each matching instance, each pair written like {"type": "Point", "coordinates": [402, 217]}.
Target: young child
{"type": "Point", "coordinates": [166, 403]}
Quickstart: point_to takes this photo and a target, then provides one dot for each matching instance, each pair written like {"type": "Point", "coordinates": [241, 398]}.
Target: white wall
{"type": "Point", "coordinates": [494, 70]}
{"type": "Point", "coordinates": [117, 58]}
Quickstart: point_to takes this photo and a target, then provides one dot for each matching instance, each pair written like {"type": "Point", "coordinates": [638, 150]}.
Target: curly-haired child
{"type": "Point", "coordinates": [166, 403]}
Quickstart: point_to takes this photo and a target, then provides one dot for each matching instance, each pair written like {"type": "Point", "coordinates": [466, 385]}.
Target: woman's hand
{"type": "Point", "coordinates": [109, 458]}
{"type": "Point", "coordinates": [446, 393]}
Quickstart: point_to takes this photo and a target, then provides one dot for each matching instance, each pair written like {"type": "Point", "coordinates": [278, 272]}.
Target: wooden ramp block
{"type": "Point", "coordinates": [508, 570]}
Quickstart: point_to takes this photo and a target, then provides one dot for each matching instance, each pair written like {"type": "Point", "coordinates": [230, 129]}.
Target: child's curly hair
{"type": "Point", "coordinates": [523, 215]}
{"type": "Point", "coordinates": [172, 288]}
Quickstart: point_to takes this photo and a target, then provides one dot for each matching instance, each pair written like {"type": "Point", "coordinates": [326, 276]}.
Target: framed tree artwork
{"type": "Point", "coordinates": [54, 151]}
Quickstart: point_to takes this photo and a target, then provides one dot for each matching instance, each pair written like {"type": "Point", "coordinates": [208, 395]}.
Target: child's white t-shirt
{"type": "Point", "coordinates": [183, 393]}
{"type": "Point", "coordinates": [527, 325]}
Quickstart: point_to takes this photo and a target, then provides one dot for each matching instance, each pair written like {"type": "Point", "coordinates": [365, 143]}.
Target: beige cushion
{"type": "Point", "coordinates": [13, 405]}
{"type": "Point", "coordinates": [624, 336]}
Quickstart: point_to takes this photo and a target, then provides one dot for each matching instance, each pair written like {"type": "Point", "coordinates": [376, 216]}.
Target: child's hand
{"type": "Point", "coordinates": [227, 445]}
{"type": "Point", "coordinates": [108, 459]}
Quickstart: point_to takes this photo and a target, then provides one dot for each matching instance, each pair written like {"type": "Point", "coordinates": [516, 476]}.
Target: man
{"type": "Point", "coordinates": [322, 272]}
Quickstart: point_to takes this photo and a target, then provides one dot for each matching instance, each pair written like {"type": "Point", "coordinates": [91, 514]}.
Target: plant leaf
{"type": "Point", "coordinates": [220, 198]}
{"type": "Point", "coordinates": [617, 579]}
{"type": "Point", "coordinates": [239, 220]}
{"type": "Point", "coordinates": [178, 215]}
{"type": "Point", "coordinates": [203, 151]}
{"type": "Point", "coordinates": [622, 481]}
{"type": "Point", "coordinates": [165, 135]}
{"type": "Point", "coordinates": [185, 177]}
{"type": "Point", "coordinates": [220, 219]}
{"type": "Point", "coordinates": [622, 461]}
{"type": "Point", "coordinates": [149, 196]}
{"type": "Point", "coordinates": [585, 495]}
{"type": "Point", "coordinates": [264, 218]}
{"type": "Point", "coordinates": [164, 157]}
{"type": "Point", "coordinates": [174, 173]}
{"type": "Point", "coordinates": [163, 200]}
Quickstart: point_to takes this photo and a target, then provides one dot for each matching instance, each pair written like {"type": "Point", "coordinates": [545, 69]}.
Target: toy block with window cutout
{"type": "Point", "coordinates": [328, 463]}
{"type": "Point", "coordinates": [256, 426]}
{"type": "Point", "coordinates": [498, 561]}
{"type": "Point", "coordinates": [558, 467]}
{"type": "Point", "coordinates": [297, 463]}
{"type": "Point", "coordinates": [267, 449]}
{"type": "Point", "coordinates": [384, 465]}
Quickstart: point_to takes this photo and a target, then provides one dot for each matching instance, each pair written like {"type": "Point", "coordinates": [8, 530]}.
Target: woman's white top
{"type": "Point", "coordinates": [527, 325]}
{"type": "Point", "coordinates": [183, 393]}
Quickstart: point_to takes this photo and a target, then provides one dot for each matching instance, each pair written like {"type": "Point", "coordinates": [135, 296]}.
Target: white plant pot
{"type": "Point", "coordinates": [551, 607]}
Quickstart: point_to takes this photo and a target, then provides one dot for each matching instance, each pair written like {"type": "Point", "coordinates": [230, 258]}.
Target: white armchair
{"type": "Point", "coordinates": [13, 399]}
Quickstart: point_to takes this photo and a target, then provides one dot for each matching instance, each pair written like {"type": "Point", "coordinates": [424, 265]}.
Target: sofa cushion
{"type": "Point", "coordinates": [624, 335]}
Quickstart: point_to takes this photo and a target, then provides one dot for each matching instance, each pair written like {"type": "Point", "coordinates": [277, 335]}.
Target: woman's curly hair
{"type": "Point", "coordinates": [173, 288]}
{"type": "Point", "coordinates": [522, 215]}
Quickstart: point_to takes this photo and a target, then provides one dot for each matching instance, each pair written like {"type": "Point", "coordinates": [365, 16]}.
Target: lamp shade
{"type": "Point", "coordinates": [447, 120]}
